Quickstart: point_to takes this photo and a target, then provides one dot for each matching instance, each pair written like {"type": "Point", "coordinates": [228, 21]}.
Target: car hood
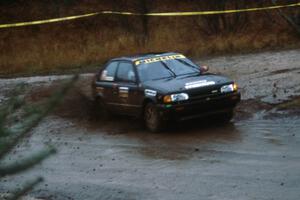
{"type": "Point", "coordinates": [186, 84]}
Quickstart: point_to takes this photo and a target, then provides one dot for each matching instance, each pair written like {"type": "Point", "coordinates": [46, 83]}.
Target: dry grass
{"type": "Point", "coordinates": [89, 42]}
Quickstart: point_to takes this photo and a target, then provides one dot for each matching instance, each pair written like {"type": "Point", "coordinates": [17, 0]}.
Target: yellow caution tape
{"type": "Point", "coordinates": [47, 21]}
{"type": "Point", "coordinates": [164, 14]}
{"type": "Point", "coordinates": [222, 11]}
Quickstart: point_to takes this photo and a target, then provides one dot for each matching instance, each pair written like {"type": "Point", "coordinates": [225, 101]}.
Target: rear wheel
{"type": "Point", "coordinates": [152, 118]}
{"type": "Point", "coordinates": [100, 110]}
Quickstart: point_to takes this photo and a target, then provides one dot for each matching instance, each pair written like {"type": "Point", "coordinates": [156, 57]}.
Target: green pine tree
{"type": "Point", "coordinates": [12, 131]}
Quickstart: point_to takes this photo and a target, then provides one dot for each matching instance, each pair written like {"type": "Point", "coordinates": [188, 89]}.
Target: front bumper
{"type": "Point", "coordinates": [190, 109]}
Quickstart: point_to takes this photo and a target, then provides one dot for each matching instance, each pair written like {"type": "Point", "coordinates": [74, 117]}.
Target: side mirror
{"type": "Point", "coordinates": [204, 68]}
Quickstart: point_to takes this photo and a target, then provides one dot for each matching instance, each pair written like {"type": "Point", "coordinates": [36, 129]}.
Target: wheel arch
{"type": "Point", "coordinates": [145, 102]}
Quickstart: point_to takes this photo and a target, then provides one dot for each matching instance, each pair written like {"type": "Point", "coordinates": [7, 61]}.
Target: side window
{"type": "Point", "coordinates": [108, 74]}
{"type": "Point", "coordinates": [126, 72]}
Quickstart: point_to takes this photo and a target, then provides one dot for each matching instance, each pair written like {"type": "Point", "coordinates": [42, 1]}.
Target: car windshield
{"type": "Point", "coordinates": [166, 69]}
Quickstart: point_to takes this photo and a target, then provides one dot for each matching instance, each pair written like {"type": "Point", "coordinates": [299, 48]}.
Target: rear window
{"type": "Point", "coordinates": [108, 74]}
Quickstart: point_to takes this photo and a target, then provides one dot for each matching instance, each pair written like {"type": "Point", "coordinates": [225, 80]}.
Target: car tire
{"type": "Point", "coordinates": [100, 110]}
{"type": "Point", "coordinates": [152, 118]}
{"type": "Point", "coordinates": [227, 116]}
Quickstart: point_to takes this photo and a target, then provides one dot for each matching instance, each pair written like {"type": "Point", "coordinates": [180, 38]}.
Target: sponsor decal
{"type": "Point", "coordinates": [197, 84]}
{"type": "Point", "coordinates": [99, 90]}
{"type": "Point", "coordinates": [123, 92]}
{"type": "Point", "coordinates": [158, 59]}
{"type": "Point", "coordinates": [151, 93]}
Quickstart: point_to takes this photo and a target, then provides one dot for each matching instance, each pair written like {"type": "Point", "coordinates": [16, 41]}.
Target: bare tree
{"type": "Point", "coordinates": [293, 18]}
{"type": "Point", "coordinates": [222, 23]}
{"type": "Point", "coordinates": [144, 9]}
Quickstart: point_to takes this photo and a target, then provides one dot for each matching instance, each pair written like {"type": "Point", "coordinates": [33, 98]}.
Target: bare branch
{"type": "Point", "coordinates": [287, 18]}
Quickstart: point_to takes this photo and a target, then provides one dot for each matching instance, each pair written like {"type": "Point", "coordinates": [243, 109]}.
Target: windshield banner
{"type": "Point", "coordinates": [158, 59]}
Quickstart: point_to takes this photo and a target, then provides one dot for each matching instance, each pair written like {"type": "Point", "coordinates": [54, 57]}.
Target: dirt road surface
{"type": "Point", "coordinates": [256, 156]}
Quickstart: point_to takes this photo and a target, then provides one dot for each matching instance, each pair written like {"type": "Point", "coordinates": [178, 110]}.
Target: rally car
{"type": "Point", "coordinates": [160, 87]}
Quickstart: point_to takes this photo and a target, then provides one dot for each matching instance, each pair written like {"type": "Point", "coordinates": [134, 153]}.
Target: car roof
{"type": "Point", "coordinates": [143, 56]}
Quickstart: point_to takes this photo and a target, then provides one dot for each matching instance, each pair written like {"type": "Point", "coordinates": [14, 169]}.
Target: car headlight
{"type": "Point", "coordinates": [229, 88]}
{"type": "Point", "coordinates": [176, 97]}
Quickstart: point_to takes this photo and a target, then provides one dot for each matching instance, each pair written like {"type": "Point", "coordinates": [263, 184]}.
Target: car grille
{"type": "Point", "coordinates": [204, 93]}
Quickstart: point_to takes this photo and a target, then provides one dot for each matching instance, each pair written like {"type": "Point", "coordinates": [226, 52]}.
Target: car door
{"type": "Point", "coordinates": [106, 86]}
{"type": "Point", "coordinates": [128, 89]}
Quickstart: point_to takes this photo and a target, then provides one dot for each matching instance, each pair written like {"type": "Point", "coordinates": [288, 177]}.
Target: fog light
{"type": "Point", "coordinates": [167, 99]}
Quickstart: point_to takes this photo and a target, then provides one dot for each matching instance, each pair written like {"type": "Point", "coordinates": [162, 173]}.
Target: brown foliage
{"type": "Point", "coordinates": [91, 41]}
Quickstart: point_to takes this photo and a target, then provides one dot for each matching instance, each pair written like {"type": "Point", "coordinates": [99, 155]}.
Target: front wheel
{"type": "Point", "coordinates": [227, 116]}
{"type": "Point", "coordinates": [152, 118]}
